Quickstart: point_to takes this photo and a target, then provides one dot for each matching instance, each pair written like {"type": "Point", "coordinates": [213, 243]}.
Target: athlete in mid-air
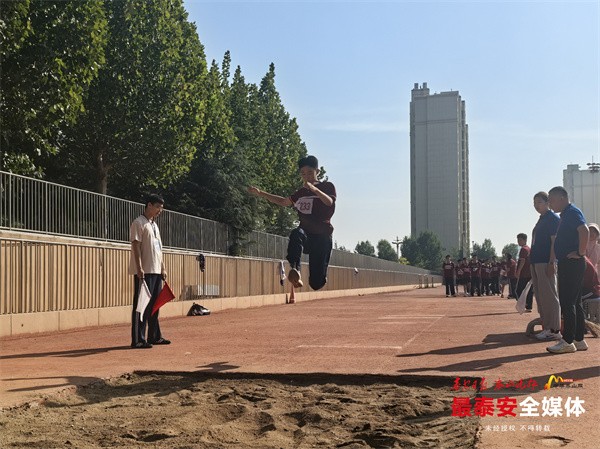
{"type": "Point", "coordinates": [315, 204]}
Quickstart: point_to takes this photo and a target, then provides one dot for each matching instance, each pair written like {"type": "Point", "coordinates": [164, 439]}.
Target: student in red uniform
{"type": "Point", "coordinates": [448, 268]}
{"type": "Point", "coordinates": [504, 275]}
{"type": "Point", "coordinates": [486, 275]}
{"type": "Point", "coordinates": [460, 274]}
{"type": "Point", "coordinates": [467, 276]}
{"type": "Point", "coordinates": [495, 276]}
{"type": "Point", "coordinates": [590, 287]}
{"type": "Point", "coordinates": [511, 274]}
{"type": "Point", "coordinates": [315, 204]}
{"type": "Point", "coordinates": [524, 271]}
{"type": "Point", "coordinates": [475, 267]}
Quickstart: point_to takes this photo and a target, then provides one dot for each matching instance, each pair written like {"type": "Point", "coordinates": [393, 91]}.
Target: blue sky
{"type": "Point", "coordinates": [528, 71]}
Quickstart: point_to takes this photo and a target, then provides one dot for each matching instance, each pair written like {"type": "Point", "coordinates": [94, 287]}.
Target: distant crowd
{"type": "Point", "coordinates": [560, 270]}
{"type": "Point", "coordinates": [483, 276]}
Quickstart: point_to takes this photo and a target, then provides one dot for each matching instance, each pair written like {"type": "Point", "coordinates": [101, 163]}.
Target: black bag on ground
{"type": "Point", "coordinates": [198, 310]}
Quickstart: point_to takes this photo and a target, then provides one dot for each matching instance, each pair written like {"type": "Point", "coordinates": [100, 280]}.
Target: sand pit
{"type": "Point", "coordinates": [231, 410]}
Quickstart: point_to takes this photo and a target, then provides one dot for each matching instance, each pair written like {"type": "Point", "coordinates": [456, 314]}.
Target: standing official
{"type": "Point", "coordinates": [146, 264]}
{"type": "Point", "coordinates": [568, 252]}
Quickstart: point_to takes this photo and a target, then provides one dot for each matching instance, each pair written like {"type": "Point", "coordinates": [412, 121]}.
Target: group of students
{"type": "Point", "coordinates": [561, 266]}
{"type": "Point", "coordinates": [481, 276]}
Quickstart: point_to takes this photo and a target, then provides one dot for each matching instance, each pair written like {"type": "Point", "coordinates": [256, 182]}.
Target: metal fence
{"type": "Point", "coordinates": [33, 205]}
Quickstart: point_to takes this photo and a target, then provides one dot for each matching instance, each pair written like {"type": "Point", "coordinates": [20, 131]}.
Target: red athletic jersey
{"type": "Point", "coordinates": [467, 271]}
{"type": "Point", "coordinates": [511, 269]}
{"type": "Point", "coordinates": [524, 255]}
{"type": "Point", "coordinates": [475, 269]}
{"type": "Point", "coordinates": [486, 272]}
{"type": "Point", "coordinates": [590, 282]}
{"type": "Point", "coordinates": [495, 269]}
{"type": "Point", "coordinates": [448, 268]}
{"type": "Point", "coordinates": [314, 214]}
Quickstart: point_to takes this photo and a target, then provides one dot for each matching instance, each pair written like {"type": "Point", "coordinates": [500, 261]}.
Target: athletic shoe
{"type": "Point", "coordinates": [447, 296]}
{"type": "Point", "coordinates": [580, 345]}
{"type": "Point", "coordinates": [548, 335]}
{"type": "Point", "coordinates": [454, 296]}
{"type": "Point", "coordinates": [528, 310]}
{"type": "Point", "coordinates": [294, 277]}
{"type": "Point", "coordinates": [561, 347]}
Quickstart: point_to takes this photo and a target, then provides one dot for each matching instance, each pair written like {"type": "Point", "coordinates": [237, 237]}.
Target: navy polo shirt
{"type": "Point", "coordinates": [541, 241]}
{"type": "Point", "coordinates": [567, 237]}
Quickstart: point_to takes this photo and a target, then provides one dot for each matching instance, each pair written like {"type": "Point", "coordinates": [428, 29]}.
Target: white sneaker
{"type": "Point", "coordinates": [561, 347]}
{"type": "Point", "coordinates": [548, 335]}
{"type": "Point", "coordinates": [580, 345]}
{"type": "Point", "coordinates": [542, 335]}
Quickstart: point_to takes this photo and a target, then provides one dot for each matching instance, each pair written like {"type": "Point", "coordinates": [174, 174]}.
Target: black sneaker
{"type": "Point", "coordinates": [141, 345]}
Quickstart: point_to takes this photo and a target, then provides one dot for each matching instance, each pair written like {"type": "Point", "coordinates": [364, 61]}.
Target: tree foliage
{"type": "Point", "coordinates": [512, 249]}
{"type": "Point", "coordinates": [144, 114]}
{"type": "Point", "coordinates": [116, 96]}
{"type": "Point", "coordinates": [484, 251]}
{"type": "Point", "coordinates": [365, 248]}
{"type": "Point", "coordinates": [424, 251]}
{"type": "Point", "coordinates": [386, 251]}
{"type": "Point", "coordinates": [51, 51]}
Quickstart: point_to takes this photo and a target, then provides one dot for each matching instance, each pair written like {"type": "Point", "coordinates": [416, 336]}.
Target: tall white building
{"type": "Point", "coordinates": [439, 167]}
{"type": "Point", "coordinates": [583, 187]}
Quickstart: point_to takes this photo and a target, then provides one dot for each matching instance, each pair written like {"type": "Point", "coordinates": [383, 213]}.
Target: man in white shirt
{"type": "Point", "coordinates": [146, 264]}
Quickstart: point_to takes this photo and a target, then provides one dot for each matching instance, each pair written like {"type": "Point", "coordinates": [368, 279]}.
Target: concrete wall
{"type": "Point", "coordinates": [53, 283]}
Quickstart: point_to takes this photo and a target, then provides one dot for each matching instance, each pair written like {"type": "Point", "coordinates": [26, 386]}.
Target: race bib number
{"type": "Point", "coordinates": [305, 205]}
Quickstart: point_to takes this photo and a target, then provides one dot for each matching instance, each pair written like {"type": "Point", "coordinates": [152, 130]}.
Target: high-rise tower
{"type": "Point", "coordinates": [439, 167]}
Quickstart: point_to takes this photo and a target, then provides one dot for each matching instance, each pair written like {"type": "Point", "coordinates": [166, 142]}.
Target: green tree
{"type": "Point", "coordinates": [277, 159]}
{"type": "Point", "coordinates": [410, 251]}
{"type": "Point", "coordinates": [386, 251]}
{"type": "Point", "coordinates": [484, 251]}
{"type": "Point", "coordinates": [365, 248]}
{"type": "Point", "coordinates": [431, 250]}
{"type": "Point", "coordinates": [424, 251]}
{"type": "Point", "coordinates": [51, 51]}
{"type": "Point", "coordinates": [511, 248]}
{"type": "Point", "coordinates": [215, 187]}
{"type": "Point", "coordinates": [144, 113]}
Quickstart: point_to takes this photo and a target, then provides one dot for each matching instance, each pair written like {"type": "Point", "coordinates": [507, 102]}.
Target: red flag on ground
{"type": "Point", "coordinates": [165, 295]}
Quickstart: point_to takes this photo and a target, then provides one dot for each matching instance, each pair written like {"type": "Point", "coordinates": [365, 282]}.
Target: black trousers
{"type": "Point", "coordinates": [570, 277]}
{"type": "Point", "coordinates": [449, 281]}
{"type": "Point", "coordinates": [495, 285]}
{"type": "Point", "coordinates": [138, 327]}
{"type": "Point", "coordinates": [512, 287]}
{"type": "Point", "coordinates": [475, 285]}
{"type": "Point", "coordinates": [318, 247]}
{"type": "Point", "coordinates": [521, 283]}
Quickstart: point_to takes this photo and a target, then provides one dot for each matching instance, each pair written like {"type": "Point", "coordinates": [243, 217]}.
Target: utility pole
{"type": "Point", "coordinates": [397, 242]}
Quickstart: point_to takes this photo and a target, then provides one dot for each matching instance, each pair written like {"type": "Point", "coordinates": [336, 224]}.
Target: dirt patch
{"type": "Point", "coordinates": [185, 411]}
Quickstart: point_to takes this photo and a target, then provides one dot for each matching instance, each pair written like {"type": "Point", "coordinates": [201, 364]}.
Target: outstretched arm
{"type": "Point", "coordinates": [275, 199]}
{"type": "Point", "coordinates": [326, 199]}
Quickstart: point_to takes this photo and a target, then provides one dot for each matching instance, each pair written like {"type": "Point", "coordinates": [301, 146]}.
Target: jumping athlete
{"type": "Point", "coordinates": [315, 204]}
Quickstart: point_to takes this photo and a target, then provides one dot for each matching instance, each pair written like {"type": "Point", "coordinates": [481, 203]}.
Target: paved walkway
{"type": "Point", "coordinates": [417, 333]}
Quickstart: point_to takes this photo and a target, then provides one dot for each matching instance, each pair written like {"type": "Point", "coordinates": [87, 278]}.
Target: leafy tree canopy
{"type": "Point", "coordinates": [365, 248]}
{"type": "Point", "coordinates": [386, 251]}
{"type": "Point", "coordinates": [484, 251]}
